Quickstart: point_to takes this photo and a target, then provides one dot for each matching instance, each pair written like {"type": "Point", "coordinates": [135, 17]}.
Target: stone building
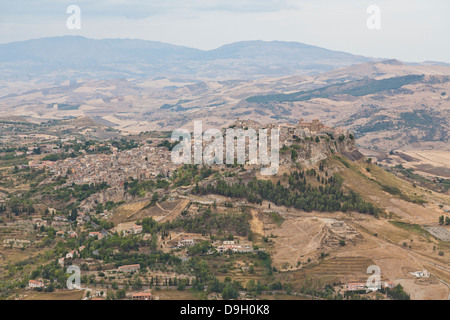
{"type": "Point", "coordinates": [312, 126]}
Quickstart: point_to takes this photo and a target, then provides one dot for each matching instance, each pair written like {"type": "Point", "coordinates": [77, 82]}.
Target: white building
{"type": "Point", "coordinates": [421, 274]}
{"type": "Point", "coordinates": [71, 254]}
{"type": "Point", "coordinates": [35, 284]}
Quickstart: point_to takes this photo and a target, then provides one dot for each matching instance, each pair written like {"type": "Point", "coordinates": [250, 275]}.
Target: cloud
{"type": "Point", "coordinates": [411, 30]}
{"type": "Point", "coordinates": [138, 9]}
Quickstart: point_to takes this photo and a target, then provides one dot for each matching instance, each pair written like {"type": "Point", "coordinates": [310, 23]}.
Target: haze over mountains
{"type": "Point", "coordinates": [137, 85]}
{"type": "Point", "coordinates": [71, 57]}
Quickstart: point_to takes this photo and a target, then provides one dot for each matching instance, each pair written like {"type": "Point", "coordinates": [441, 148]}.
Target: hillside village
{"type": "Point", "coordinates": [140, 227]}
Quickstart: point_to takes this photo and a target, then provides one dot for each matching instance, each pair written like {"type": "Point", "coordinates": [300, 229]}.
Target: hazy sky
{"type": "Point", "coordinates": [411, 30]}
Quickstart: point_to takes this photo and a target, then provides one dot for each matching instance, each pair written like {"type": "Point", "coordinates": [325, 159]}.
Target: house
{"type": "Point", "coordinates": [389, 284]}
{"type": "Point", "coordinates": [133, 229]}
{"type": "Point", "coordinates": [136, 229]}
{"type": "Point", "coordinates": [61, 261]}
{"type": "Point", "coordinates": [355, 286]}
{"type": "Point", "coordinates": [72, 234]}
{"type": "Point", "coordinates": [421, 274]}
{"type": "Point", "coordinates": [142, 296]}
{"type": "Point", "coordinates": [231, 246]}
{"type": "Point", "coordinates": [35, 284]}
{"type": "Point", "coordinates": [312, 126]}
{"type": "Point", "coordinates": [71, 254]}
{"type": "Point", "coordinates": [105, 213]}
{"type": "Point", "coordinates": [373, 287]}
{"type": "Point", "coordinates": [97, 234]}
{"type": "Point", "coordinates": [60, 233]}
{"type": "Point", "coordinates": [129, 268]}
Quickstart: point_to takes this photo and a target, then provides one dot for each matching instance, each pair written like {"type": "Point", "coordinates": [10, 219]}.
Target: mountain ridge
{"type": "Point", "coordinates": [69, 57]}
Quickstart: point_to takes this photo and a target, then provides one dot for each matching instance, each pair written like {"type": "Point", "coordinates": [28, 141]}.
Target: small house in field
{"type": "Point", "coordinates": [71, 254]}
{"type": "Point", "coordinates": [72, 234]}
{"type": "Point", "coordinates": [35, 284]}
{"type": "Point", "coordinates": [142, 296]}
{"type": "Point", "coordinates": [97, 234]}
{"type": "Point", "coordinates": [421, 274]}
{"type": "Point", "coordinates": [355, 286]}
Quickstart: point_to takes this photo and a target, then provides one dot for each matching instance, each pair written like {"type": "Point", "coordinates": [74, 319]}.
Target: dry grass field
{"type": "Point", "coordinates": [169, 294]}
{"type": "Point", "coordinates": [127, 211]}
{"type": "Point", "coordinates": [59, 295]}
{"type": "Point", "coordinates": [431, 163]}
{"type": "Point", "coordinates": [397, 242]}
{"type": "Point", "coordinates": [330, 271]}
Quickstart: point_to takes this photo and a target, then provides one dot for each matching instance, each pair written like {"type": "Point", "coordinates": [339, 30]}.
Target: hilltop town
{"type": "Point", "coordinates": [140, 227]}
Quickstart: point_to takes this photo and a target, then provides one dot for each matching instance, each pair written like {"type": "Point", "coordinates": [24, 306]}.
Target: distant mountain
{"type": "Point", "coordinates": [78, 57]}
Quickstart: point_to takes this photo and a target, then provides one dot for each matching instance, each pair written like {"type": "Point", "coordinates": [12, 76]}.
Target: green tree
{"type": "Point", "coordinates": [121, 294]}
{"type": "Point", "coordinates": [229, 292]}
